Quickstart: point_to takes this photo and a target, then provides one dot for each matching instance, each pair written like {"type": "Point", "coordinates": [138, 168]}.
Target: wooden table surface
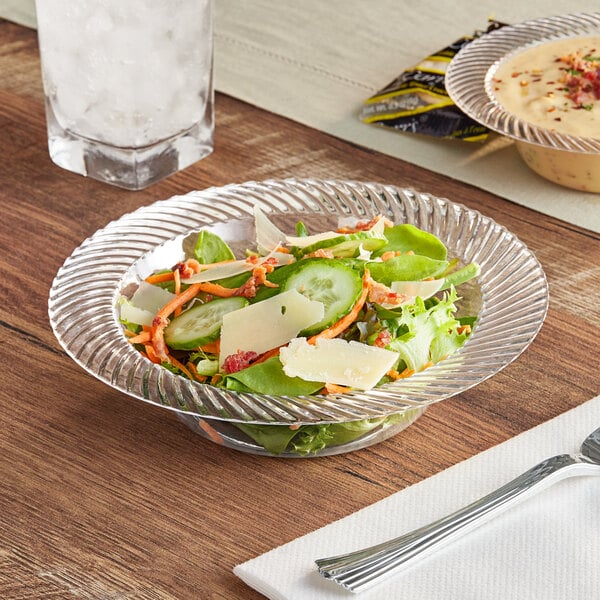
{"type": "Point", "coordinates": [104, 496]}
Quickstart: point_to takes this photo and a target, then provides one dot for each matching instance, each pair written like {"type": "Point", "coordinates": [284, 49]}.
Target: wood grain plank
{"type": "Point", "coordinates": [103, 496]}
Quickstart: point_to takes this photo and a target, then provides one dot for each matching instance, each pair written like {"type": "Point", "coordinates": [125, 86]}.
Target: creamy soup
{"type": "Point", "coordinates": [555, 85]}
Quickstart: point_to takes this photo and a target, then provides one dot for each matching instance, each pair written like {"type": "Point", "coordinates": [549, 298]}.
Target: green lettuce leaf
{"type": "Point", "coordinates": [407, 237]}
{"type": "Point", "coordinates": [268, 377]}
{"type": "Point", "coordinates": [310, 439]}
{"type": "Point", "coordinates": [210, 248]}
{"type": "Point", "coordinates": [273, 438]}
{"type": "Point", "coordinates": [406, 267]}
{"type": "Point", "coordinates": [432, 332]}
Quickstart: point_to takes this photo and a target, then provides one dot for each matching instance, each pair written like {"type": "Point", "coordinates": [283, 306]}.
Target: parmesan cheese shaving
{"type": "Point", "coordinates": [268, 324]}
{"type": "Point", "coordinates": [337, 361]}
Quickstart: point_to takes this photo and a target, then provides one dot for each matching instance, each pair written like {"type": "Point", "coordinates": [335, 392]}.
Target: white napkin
{"type": "Point", "coordinates": [546, 547]}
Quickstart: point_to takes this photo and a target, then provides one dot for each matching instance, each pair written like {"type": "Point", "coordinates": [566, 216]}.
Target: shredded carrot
{"type": "Point", "coordinates": [128, 333]}
{"type": "Point", "coordinates": [212, 347]}
{"type": "Point", "coordinates": [161, 320]}
{"type": "Point", "coordinates": [393, 374]}
{"type": "Point", "coordinates": [151, 355]}
{"type": "Point", "coordinates": [169, 308]}
{"type": "Point", "coordinates": [192, 369]}
{"type": "Point", "coordinates": [205, 266]}
{"type": "Point", "coordinates": [181, 367]}
{"type": "Point", "coordinates": [215, 289]}
{"type": "Point", "coordinates": [333, 388]}
{"type": "Point", "coordinates": [212, 433]}
{"type": "Point", "coordinates": [140, 338]}
{"type": "Point", "coordinates": [266, 355]}
{"type": "Point", "coordinates": [345, 322]}
{"type": "Point", "coordinates": [160, 277]}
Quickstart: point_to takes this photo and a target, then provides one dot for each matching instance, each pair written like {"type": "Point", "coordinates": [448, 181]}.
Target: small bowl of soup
{"type": "Point", "coordinates": [539, 84]}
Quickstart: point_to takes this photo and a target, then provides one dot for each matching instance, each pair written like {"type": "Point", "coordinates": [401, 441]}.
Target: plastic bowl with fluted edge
{"type": "Point", "coordinates": [567, 160]}
{"type": "Point", "coordinates": [510, 298]}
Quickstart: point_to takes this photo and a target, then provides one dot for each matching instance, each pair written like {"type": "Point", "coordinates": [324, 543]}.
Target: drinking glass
{"type": "Point", "coordinates": [128, 86]}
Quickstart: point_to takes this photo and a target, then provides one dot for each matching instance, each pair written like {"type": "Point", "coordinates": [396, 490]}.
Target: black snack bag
{"type": "Point", "coordinates": [417, 101]}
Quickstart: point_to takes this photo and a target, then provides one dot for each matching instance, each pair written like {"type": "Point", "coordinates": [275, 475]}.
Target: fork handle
{"type": "Point", "coordinates": [362, 569]}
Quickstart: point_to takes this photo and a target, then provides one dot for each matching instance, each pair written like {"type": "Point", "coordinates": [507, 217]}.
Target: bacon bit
{"type": "Point", "coordinates": [294, 427]}
{"type": "Point", "coordinates": [188, 268]}
{"type": "Point", "coordinates": [253, 259]}
{"type": "Point", "coordinates": [258, 278]}
{"type": "Point", "coordinates": [239, 361]}
{"type": "Point", "coordinates": [333, 388]}
{"type": "Point", "coordinates": [383, 339]}
{"type": "Point", "coordinates": [515, 74]}
{"type": "Point", "coordinates": [393, 374]}
{"type": "Point", "coordinates": [390, 254]}
{"type": "Point", "coordinates": [185, 269]}
{"type": "Point", "coordinates": [582, 79]}
{"type": "Point", "coordinates": [320, 253]}
{"type": "Point", "coordinates": [365, 225]}
{"type": "Point", "coordinates": [463, 329]}
{"type": "Point", "coordinates": [382, 294]}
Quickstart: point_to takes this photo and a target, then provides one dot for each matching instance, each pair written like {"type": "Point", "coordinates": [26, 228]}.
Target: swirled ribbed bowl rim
{"type": "Point", "coordinates": [512, 292]}
{"type": "Point", "coordinates": [470, 74]}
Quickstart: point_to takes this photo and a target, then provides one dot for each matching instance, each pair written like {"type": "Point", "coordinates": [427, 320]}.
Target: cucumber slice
{"type": "Point", "coordinates": [331, 282]}
{"type": "Point", "coordinates": [344, 245]}
{"type": "Point", "coordinates": [200, 324]}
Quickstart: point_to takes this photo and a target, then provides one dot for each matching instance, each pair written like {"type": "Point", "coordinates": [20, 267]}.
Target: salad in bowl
{"type": "Point", "coordinates": [298, 318]}
{"type": "Point", "coordinates": [303, 313]}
